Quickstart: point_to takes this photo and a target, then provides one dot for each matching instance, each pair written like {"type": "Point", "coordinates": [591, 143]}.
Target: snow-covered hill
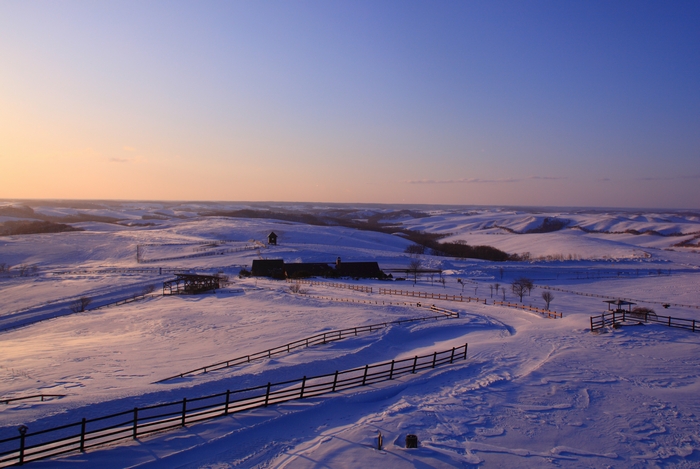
{"type": "Point", "coordinates": [535, 392]}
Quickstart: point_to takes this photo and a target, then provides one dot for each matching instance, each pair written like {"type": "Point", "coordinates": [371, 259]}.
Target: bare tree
{"type": "Point", "coordinates": [80, 304]}
{"type": "Point", "coordinates": [413, 267]}
{"type": "Point", "coordinates": [491, 287]}
{"type": "Point", "coordinates": [503, 290]}
{"type": "Point", "coordinates": [519, 289]}
{"type": "Point", "coordinates": [547, 296]}
{"type": "Point", "coordinates": [496, 286]}
{"type": "Point", "coordinates": [459, 280]}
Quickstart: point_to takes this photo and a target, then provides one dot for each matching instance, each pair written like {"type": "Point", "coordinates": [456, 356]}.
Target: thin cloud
{"type": "Point", "coordinates": [669, 178]}
{"type": "Point", "coordinates": [482, 181]}
{"type": "Point", "coordinates": [119, 160]}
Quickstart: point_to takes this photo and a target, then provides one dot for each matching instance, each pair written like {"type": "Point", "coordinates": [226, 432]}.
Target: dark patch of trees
{"type": "Point", "coordinates": [465, 251]}
{"type": "Point", "coordinates": [11, 228]}
{"type": "Point", "coordinates": [549, 225]}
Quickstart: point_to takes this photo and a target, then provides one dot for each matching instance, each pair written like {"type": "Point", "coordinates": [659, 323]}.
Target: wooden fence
{"type": "Point", "coordinates": [345, 286]}
{"type": "Point", "coordinates": [610, 318]}
{"type": "Point", "coordinates": [318, 339]}
{"type": "Point", "coordinates": [139, 422]}
{"type": "Point", "coordinates": [430, 296]}
{"type": "Point", "coordinates": [42, 397]}
{"type": "Point", "coordinates": [199, 254]}
{"type": "Point", "coordinates": [608, 297]}
{"type": "Point", "coordinates": [544, 312]}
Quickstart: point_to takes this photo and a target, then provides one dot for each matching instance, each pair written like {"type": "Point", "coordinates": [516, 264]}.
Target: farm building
{"type": "Point", "coordinates": [277, 268]}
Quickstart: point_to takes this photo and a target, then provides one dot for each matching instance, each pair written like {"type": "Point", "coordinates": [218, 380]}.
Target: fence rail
{"type": "Point", "coordinates": [317, 339]}
{"type": "Point", "coordinates": [544, 312]}
{"type": "Point", "coordinates": [138, 422]}
{"type": "Point", "coordinates": [33, 396]}
{"type": "Point", "coordinates": [345, 286]}
{"type": "Point", "coordinates": [430, 296]}
{"type": "Point", "coordinates": [131, 299]}
{"type": "Point", "coordinates": [610, 318]}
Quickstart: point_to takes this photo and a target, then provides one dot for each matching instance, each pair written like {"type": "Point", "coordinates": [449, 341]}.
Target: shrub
{"type": "Point", "coordinates": [244, 273]}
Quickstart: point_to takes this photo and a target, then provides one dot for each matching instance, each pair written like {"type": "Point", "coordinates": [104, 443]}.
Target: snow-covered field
{"type": "Point", "coordinates": [534, 392]}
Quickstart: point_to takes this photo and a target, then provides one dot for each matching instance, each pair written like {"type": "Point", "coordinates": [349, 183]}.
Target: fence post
{"type": "Point", "coordinates": [22, 433]}
{"type": "Point", "coordinates": [465, 350]}
{"type": "Point", "coordinates": [136, 422]}
{"type": "Point", "coordinates": [364, 378]}
{"type": "Point", "coordinates": [82, 436]}
{"type": "Point", "coordinates": [391, 371]}
{"type": "Point", "coordinates": [303, 383]}
{"type": "Point", "coordinates": [693, 325]}
{"type": "Point", "coordinates": [434, 357]}
{"type": "Point", "coordinates": [415, 360]}
{"type": "Point", "coordinates": [228, 399]}
{"type": "Point", "coordinates": [335, 380]}
{"type": "Point", "coordinates": [452, 357]}
{"type": "Point", "coordinates": [267, 394]}
{"type": "Point", "coordinates": [184, 410]}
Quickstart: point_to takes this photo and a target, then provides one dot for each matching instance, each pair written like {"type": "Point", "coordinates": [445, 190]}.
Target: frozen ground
{"type": "Point", "coordinates": [534, 392]}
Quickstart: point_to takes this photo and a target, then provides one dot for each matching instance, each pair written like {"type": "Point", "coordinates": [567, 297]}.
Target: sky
{"type": "Point", "coordinates": [577, 103]}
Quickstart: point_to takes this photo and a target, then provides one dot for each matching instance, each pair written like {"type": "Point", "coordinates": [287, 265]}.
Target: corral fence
{"type": "Point", "coordinates": [430, 296]}
{"type": "Point", "coordinates": [544, 312]}
{"type": "Point", "coordinates": [318, 339]}
{"type": "Point", "coordinates": [610, 318]}
{"type": "Point", "coordinates": [345, 286]}
{"type": "Point", "coordinates": [139, 422]}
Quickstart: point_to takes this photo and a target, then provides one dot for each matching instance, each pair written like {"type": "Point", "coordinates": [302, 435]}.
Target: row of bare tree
{"type": "Point", "coordinates": [23, 270]}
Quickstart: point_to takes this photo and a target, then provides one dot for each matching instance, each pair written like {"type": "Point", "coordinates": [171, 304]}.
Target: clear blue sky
{"type": "Point", "coordinates": [525, 103]}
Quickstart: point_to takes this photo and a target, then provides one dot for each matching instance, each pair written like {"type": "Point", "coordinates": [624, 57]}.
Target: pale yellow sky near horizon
{"type": "Point", "coordinates": [345, 103]}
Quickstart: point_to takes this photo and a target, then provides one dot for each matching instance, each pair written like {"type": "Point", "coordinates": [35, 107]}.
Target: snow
{"type": "Point", "coordinates": [534, 392]}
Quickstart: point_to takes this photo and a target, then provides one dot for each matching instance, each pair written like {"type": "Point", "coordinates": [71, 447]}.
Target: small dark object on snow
{"type": "Point", "coordinates": [666, 305]}
{"type": "Point", "coordinates": [411, 441]}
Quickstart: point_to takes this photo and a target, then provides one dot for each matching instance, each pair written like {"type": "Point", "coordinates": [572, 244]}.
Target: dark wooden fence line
{"type": "Point", "coordinates": [139, 422]}
{"type": "Point", "coordinates": [345, 286]}
{"type": "Point", "coordinates": [125, 301]}
{"type": "Point", "coordinates": [33, 396]}
{"type": "Point", "coordinates": [430, 296]}
{"type": "Point", "coordinates": [545, 312]}
{"type": "Point", "coordinates": [610, 318]}
{"type": "Point", "coordinates": [317, 339]}
{"type": "Point", "coordinates": [200, 254]}
{"type": "Point", "coordinates": [124, 270]}
{"type": "Point", "coordinates": [593, 295]}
